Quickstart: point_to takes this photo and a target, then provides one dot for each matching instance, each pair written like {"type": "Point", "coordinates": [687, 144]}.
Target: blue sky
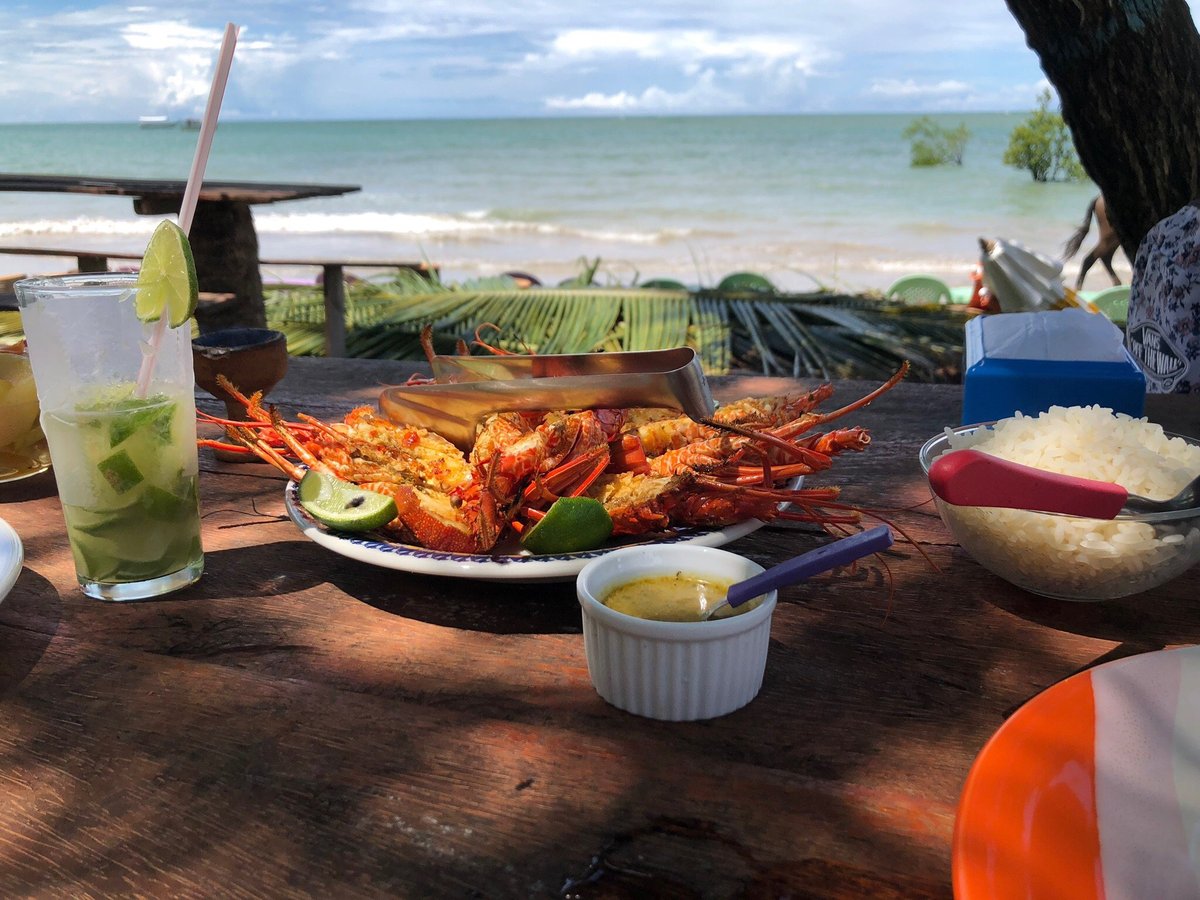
{"type": "Point", "coordinates": [339, 59]}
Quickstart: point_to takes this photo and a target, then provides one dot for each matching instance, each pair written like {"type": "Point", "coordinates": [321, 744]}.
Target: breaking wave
{"type": "Point", "coordinates": [470, 226]}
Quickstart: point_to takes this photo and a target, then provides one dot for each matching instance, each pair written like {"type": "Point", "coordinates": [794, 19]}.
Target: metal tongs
{"type": "Point", "coordinates": [468, 388]}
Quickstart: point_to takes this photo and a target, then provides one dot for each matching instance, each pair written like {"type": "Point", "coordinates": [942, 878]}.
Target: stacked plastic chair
{"type": "Point", "coordinates": [919, 290]}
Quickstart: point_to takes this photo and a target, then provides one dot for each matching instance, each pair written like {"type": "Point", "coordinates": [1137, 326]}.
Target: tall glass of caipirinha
{"type": "Point", "coordinates": [124, 456]}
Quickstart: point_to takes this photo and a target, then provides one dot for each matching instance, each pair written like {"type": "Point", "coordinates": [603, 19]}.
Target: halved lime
{"type": "Point", "coordinates": [570, 525]}
{"type": "Point", "coordinates": [167, 280]}
{"type": "Point", "coordinates": [342, 505]}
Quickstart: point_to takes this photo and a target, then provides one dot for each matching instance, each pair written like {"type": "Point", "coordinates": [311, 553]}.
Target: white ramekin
{"type": "Point", "coordinates": [672, 670]}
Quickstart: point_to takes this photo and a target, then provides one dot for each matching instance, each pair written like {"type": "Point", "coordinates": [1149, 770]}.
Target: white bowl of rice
{"type": "Point", "coordinates": [1069, 557]}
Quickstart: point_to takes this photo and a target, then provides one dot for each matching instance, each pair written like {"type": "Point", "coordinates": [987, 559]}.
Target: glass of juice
{"type": "Point", "coordinates": [124, 459]}
{"type": "Point", "coordinates": [22, 444]}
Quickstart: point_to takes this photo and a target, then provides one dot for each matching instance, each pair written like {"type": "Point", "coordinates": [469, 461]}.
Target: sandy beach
{"type": "Point", "coordinates": [847, 267]}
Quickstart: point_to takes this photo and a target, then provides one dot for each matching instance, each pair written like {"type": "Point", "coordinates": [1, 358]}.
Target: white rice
{"type": "Point", "coordinates": [1066, 556]}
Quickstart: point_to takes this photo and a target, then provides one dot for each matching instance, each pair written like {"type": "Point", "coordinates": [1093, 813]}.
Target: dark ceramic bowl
{"type": "Point", "coordinates": [252, 359]}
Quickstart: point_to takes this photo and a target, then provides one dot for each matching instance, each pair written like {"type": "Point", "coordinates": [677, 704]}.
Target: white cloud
{"type": "Point", "coordinates": [894, 87]}
{"type": "Point", "coordinates": [721, 73]}
{"type": "Point", "coordinates": [703, 96]}
{"type": "Point", "coordinates": [618, 102]}
{"type": "Point", "coordinates": [683, 47]}
{"type": "Point", "coordinates": [393, 59]}
{"type": "Point", "coordinates": [168, 36]}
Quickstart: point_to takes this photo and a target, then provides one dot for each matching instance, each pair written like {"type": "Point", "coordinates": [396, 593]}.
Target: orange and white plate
{"type": "Point", "coordinates": [1091, 791]}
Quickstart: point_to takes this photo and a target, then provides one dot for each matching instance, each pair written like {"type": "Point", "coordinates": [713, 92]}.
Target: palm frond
{"type": "Point", "coordinates": [820, 335]}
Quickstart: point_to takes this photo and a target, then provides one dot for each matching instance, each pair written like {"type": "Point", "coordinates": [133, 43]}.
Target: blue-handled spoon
{"type": "Point", "coordinates": [838, 553]}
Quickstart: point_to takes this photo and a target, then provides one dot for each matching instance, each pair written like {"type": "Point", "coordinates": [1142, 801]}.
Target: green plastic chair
{"type": "Point", "coordinates": [663, 284]}
{"type": "Point", "coordinates": [918, 290]}
{"type": "Point", "coordinates": [1114, 303]}
{"type": "Point", "coordinates": [746, 282]}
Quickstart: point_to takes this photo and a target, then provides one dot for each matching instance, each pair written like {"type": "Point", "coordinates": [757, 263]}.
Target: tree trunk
{"type": "Point", "coordinates": [1128, 75]}
{"type": "Point", "coordinates": [226, 253]}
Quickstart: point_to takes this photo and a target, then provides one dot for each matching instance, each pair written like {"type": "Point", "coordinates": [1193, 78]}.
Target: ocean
{"type": "Point", "coordinates": [808, 201]}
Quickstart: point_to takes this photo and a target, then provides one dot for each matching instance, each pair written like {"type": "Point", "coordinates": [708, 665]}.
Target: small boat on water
{"type": "Point", "coordinates": [154, 122]}
{"type": "Point", "coordinates": [191, 125]}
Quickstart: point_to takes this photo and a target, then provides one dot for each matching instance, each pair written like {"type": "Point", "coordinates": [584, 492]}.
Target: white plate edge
{"type": "Point", "coordinates": [10, 541]}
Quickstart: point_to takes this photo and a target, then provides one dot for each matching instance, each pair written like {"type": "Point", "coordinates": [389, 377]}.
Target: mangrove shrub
{"type": "Point", "coordinates": [935, 145]}
{"type": "Point", "coordinates": [1042, 145]}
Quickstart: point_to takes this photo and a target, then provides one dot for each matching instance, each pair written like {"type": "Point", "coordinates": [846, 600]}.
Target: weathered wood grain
{"type": "Point", "coordinates": [297, 724]}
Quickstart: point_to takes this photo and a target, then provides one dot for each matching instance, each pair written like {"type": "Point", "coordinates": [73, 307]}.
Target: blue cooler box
{"type": "Point", "coordinates": [1028, 362]}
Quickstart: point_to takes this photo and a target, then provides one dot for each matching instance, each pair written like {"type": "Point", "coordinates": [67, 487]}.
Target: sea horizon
{"type": "Point", "coordinates": [808, 200]}
{"type": "Point", "coordinates": [177, 117]}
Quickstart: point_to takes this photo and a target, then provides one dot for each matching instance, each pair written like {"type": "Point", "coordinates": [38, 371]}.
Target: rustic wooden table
{"type": "Point", "coordinates": [298, 724]}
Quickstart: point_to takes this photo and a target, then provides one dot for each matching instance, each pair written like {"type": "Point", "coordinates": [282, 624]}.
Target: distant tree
{"type": "Point", "coordinates": [1127, 76]}
{"type": "Point", "coordinates": [1042, 145]}
{"type": "Point", "coordinates": [935, 145]}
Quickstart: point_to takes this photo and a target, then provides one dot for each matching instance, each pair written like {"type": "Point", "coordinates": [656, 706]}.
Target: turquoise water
{"type": "Point", "coordinates": [802, 199]}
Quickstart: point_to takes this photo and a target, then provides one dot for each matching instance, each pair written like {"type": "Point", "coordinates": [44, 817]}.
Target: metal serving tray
{"type": "Point", "coordinates": [468, 388]}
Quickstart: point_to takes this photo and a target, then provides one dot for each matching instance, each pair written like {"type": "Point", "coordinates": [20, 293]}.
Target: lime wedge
{"type": "Point", "coordinates": [570, 525]}
{"type": "Point", "coordinates": [167, 280]}
{"type": "Point", "coordinates": [342, 505]}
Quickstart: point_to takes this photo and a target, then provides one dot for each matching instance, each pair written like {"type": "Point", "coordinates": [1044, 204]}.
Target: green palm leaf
{"type": "Point", "coordinates": [819, 335]}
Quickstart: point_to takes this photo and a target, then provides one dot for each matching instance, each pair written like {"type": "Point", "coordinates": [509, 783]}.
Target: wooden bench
{"type": "Point", "coordinates": [333, 274]}
{"type": "Point", "coordinates": [85, 260]}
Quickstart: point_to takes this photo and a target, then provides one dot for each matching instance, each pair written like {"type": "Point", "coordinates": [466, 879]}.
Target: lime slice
{"type": "Point", "coordinates": [120, 471]}
{"type": "Point", "coordinates": [570, 525]}
{"type": "Point", "coordinates": [165, 506]}
{"type": "Point", "coordinates": [342, 505]}
{"type": "Point", "coordinates": [167, 279]}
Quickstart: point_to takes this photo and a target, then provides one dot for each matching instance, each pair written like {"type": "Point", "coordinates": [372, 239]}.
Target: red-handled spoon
{"type": "Point", "coordinates": [974, 478]}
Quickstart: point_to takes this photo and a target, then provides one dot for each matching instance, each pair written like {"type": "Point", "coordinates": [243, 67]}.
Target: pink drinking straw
{"type": "Point", "coordinates": [187, 208]}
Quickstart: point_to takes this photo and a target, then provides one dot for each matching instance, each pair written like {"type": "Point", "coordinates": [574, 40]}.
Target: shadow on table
{"type": "Point", "coordinates": [32, 601]}
{"type": "Point", "coordinates": [468, 604]}
{"type": "Point", "coordinates": [492, 607]}
{"type": "Point", "coordinates": [35, 487]}
{"type": "Point", "coordinates": [240, 572]}
{"type": "Point", "coordinates": [1168, 615]}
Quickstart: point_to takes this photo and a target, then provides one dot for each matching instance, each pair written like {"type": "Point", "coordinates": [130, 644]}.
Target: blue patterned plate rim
{"type": "Point", "coordinates": [501, 566]}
